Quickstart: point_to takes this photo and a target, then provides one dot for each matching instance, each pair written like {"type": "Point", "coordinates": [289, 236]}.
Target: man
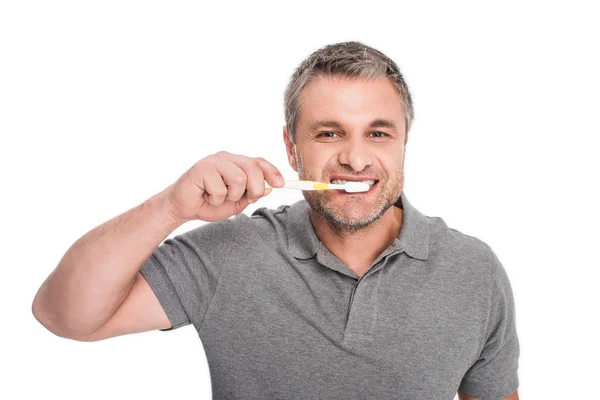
{"type": "Point", "coordinates": [343, 295]}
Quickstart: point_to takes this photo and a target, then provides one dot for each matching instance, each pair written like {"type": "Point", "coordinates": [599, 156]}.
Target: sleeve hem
{"type": "Point", "coordinates": [486, 394]}
{"type": "Point", "coordinates": [167, 297]}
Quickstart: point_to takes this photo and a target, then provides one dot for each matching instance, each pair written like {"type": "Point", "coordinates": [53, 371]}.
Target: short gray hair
{"type": "Point", "coordinates": [346, 59]}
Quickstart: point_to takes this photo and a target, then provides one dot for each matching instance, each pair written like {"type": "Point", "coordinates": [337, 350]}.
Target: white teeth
{"type": "Point", "coordinates": [341, 182]}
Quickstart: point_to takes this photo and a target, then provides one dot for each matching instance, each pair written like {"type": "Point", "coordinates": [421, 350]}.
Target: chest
{"type": "Point", "coordinates": [309, 324]}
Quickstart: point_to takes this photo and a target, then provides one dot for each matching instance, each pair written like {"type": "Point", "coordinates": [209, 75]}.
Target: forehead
{"type": "Point", "coordinates": [350, 100]}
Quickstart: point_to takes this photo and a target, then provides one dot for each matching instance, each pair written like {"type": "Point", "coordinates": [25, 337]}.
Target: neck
{"type": "Point", "coordinates": [358, 250]}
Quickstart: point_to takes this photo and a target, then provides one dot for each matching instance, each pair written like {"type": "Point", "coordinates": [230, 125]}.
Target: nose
{"type": "Point", "coordinates": [356, 154]}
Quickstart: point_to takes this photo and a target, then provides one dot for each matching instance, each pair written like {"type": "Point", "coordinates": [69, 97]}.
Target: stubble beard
{"type": "Point", "coordinates": [343, 224]}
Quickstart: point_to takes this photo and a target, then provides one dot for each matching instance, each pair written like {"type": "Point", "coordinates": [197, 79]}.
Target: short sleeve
{"type": "Point", "coordinates": [494, 374]}
{"type": "Point", "coordinates": [184, 271]}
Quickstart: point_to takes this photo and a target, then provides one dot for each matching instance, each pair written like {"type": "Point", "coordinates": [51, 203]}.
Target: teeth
{"type": "Point", "coordinates": [341, 182]}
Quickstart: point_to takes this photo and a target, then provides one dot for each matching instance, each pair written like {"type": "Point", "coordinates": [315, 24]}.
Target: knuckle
{"type": "Point", "coordinates": [213, 198]}
{"type": "Point", "coordinates": [255, 164]}
{"type": "Point", "coordinates": [198, 165]}
{"type": "Point", "coordinates": [239, 179]}
{"type": "Point", "coordinates": [219, 193]}
{"type": "Point", "coordinates": [235, 197]}
{"type": "Point", "coordinates": [210, 160]}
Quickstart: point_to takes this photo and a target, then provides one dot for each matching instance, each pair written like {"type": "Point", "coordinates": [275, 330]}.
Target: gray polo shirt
{"type": "Point", "coordinates": [281, 317]}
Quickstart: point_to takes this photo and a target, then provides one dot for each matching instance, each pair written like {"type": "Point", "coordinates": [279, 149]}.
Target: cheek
{"type": "Point", "coordinates": [314, 159]}
{"type": "Point", "coordinates": [393, 161]}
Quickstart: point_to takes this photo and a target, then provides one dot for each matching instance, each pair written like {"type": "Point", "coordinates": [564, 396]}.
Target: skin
{"type": "Point", "coordinates": [464, 396]}
{"type": "Point", "coordinates": [354, 227]}
{"type": "Point", "coordinates": [84, 300]}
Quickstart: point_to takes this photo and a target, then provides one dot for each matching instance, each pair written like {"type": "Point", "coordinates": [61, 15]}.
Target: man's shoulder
{"type": "Point", "coordinates": [265, 223]}
{"type": "Point", "coordinates": [279, 213]}
{"type": "Point", "coordinates": [265, 216]}
{"type": "Point", "coordinates": [466, 261]}
{"type": "Point", "coordinates": [451, 244]}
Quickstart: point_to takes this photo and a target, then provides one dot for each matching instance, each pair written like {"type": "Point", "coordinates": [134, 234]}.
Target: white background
{"type": "Point", "coordinates": [104, 104]}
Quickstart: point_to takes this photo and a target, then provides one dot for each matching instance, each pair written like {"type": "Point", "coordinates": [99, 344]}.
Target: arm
{"type": "Point", "coordinates": [97, 291]}
{"type": "Point", "coordinates": [99, 270]}
{"type": "Point", "coordinates": [464, 396]}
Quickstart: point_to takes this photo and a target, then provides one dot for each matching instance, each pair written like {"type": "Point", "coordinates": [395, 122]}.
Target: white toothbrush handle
{"type": "Point", "coordinates": [349, 187]}
{"type": "Point", "coordinates": [336, 186]}
{"type": "Point", "coordinates": [302, 185]}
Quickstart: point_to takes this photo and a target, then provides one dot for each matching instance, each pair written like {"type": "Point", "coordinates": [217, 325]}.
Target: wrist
{"type": "Point", "coordinates": [161, 205]}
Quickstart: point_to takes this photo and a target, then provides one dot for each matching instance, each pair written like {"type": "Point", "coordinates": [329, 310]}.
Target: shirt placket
{"type": "Point", "coordinates": [362, 309]}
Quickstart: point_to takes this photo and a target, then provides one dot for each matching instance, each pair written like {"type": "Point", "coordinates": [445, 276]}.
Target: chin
{"type": "Point", "coordinates": [342, 220]}
{"type": "Point", "coordinates": [355, 211]}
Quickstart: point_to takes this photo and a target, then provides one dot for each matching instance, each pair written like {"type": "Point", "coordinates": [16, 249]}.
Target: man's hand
{"type": "Point", "coordinates": [219, 186]}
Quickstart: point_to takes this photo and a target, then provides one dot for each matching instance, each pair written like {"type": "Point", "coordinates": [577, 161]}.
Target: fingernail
{"type": "Point", "coordinates": [278, 179]}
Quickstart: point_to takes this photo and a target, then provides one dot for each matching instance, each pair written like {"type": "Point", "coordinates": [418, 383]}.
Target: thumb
{"type": "Point", "coordinates": [241, 204]}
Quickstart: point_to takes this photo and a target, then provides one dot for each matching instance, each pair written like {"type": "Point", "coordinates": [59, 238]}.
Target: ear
{"type": "Point", "coordinates": [289, 147]}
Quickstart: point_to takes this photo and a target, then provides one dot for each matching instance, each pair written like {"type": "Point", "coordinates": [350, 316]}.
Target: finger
{"type": "Point", "coordinates": [258, 170]}
{"type": "Point", "coordinates": [255, 182]}
{"type": "Point", "coordinates": [216, 190]}
{"type": "Point", "coordinates": [234, 177]}
{"type": "Point", "coordinates": [266, 192]}
{"type": "Point", "coordinates": [271, 173]}
{"type": "Point", "coordinates": [244, 202]}
{"type": "Point", "coordinates": [241, 204]}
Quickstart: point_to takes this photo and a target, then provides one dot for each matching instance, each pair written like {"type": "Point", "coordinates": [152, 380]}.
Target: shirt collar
{"type": "Point", "coordinates": [413, 238]}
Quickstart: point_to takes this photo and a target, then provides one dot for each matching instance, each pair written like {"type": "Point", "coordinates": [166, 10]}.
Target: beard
{"type": "Point", "coordinates": [355, 214]}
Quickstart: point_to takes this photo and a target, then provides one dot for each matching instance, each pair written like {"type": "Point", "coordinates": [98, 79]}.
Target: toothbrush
{"type": "Point", "coordinates": [350, 187]}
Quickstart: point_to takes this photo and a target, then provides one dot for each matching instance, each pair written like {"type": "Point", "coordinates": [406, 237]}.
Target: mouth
{"type": "Point", "coordinates": [371, 182]}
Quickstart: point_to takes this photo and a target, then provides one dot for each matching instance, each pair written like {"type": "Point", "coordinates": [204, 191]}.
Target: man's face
{"type": "Point", "coordinates": [350, 130]}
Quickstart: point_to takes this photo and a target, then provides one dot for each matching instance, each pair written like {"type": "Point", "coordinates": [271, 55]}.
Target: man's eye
{"type": "Point", "coordinates": [327, 134]}
{"type": "Point", "coordinates": [379, 134]}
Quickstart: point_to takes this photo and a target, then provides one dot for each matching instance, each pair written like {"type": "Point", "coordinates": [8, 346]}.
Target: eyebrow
{"type": "Point", "coordinates": [377, 123]}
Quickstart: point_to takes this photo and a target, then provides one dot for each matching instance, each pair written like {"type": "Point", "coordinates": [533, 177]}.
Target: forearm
{"type": "Point", "coordinates": [97, 271]}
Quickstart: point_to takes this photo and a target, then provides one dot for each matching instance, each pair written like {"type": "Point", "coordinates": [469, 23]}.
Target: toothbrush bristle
{"type": "Point", "coordinates": [355, 187]}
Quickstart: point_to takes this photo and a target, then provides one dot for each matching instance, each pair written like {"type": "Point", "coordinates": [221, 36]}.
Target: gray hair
{"type": "Point", "coordinates": [346, 59]}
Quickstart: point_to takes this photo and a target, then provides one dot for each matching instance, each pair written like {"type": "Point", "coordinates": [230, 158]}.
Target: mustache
{"type": "Point", "coordinates": [347, 170]}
